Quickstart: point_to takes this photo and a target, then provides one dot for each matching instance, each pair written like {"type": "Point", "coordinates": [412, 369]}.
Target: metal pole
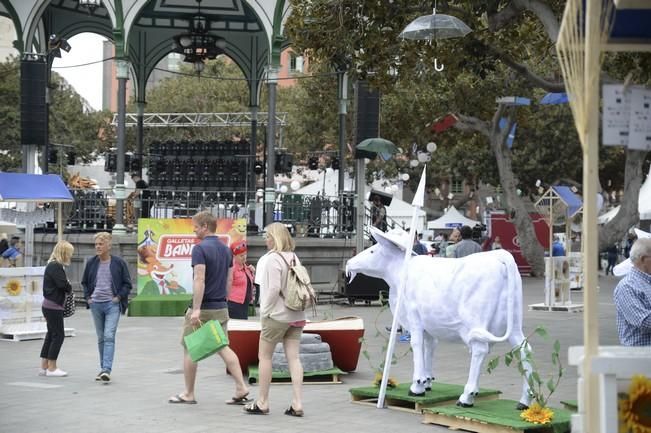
{"type": "Point", "coordinates": [589, 232]}
{"type": "Point", "coordinates": [140, 150]}
{"type": "Point", "coordinates": [360, 183]}
{"type": "Point", "coordinates": [270, 185]}
{"type": "Point", "coordinates": [342, 79]}
{"type": "Point", "coordinates": [253, 145]}
{"type": "Point", "coordinates": [120, 193]}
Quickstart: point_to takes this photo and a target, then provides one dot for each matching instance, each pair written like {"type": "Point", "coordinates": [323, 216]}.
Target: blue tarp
{"type": "Point", "coordinates": [571, 200]}
{"type": "Point", "coordinates": [554, 99]}
{"type": "Point", "coordinates": [33, 187]}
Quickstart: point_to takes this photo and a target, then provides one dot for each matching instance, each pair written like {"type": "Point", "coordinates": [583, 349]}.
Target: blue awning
{"type": "Point", "coordinates": [33, 187]}
{"type": "Point", "coordinates": [571, 200]}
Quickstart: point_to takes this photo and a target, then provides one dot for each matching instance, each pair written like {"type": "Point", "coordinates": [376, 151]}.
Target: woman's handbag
{"type": "Point", "coordinates": [208, 339]}
{"type": "Point", "coordinates": [69, 305]}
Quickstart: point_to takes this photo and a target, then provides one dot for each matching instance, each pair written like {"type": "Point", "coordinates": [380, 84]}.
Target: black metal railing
{"type": "Point", "coordinates": [305, 215]}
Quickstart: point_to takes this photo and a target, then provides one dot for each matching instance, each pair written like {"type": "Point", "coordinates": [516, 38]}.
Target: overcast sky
{"type": "Point", "coordinates": [87, 80]}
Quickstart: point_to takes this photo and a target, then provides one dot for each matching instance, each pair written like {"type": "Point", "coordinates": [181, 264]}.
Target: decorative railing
{"type": "Point", "coordinates": [306, 215]}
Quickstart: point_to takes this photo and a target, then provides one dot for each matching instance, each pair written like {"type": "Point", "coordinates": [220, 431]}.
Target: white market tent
{"type": "Point", "coordinates": [398, 211]}
{"type": "Point", "coordinates": [643, 204]}
{"type": "Point", "coordinates": [451, 219]}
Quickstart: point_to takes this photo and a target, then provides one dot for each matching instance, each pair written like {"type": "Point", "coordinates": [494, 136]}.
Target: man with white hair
{"type": "Point", "coordinates": [633, 298]}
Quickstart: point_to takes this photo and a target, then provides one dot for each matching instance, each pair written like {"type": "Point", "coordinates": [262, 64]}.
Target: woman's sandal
{"type": "Point", "coordinates": [254, 409]}
{"type": "Point", "coordinates": [292, 412]}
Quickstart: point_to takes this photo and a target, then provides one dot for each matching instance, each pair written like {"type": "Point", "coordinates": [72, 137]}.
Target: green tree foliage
{"type": "Point", "coordinates": [510, 52]}
{"type": "Point", "coordinates": [71, 121]}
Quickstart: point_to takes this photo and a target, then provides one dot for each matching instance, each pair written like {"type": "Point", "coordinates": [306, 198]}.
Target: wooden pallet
{"type": "Point", "coordinates": [398, 398]}
{"type": "Point", "coordinates": [570, 308]}
{"type": "Point", "coordinates": [497, 416]}
{"type": "Point", "coordinates": [32, 335]}
{"type": "Point", "coordinates": [325, 377]}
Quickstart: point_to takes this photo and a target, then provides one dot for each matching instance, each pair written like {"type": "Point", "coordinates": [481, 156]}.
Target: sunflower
{"type": "Point", "coordinates": [391, 383]}
{"type": "Point", "coordinates": [14, 287]}
{"type": "Point", "coordinates": [537, 414]}
{"type": "Point", "coordinates": [635, 411]}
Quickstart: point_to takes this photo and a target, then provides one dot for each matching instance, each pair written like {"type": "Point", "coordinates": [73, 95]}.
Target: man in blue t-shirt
{"type": "Point", "coordinates": [558, 250]}
{"type": "Point", "coordinates": [212, 277]}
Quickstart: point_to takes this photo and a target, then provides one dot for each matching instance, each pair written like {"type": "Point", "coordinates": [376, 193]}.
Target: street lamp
{"type": "Point", "coordinates": [91, 5]}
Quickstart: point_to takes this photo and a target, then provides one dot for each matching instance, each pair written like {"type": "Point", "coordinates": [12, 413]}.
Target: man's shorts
{"type": "Point", "coordinates": [274, 331]}
{"type": "Point", "coordinates": [220, 315]}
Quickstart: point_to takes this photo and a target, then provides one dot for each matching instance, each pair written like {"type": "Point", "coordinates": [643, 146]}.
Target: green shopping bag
{"type": "Point", "coordinates": [208, 339]}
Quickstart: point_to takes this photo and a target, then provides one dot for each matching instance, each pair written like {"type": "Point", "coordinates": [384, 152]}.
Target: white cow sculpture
{"type": "Point", "coordinates": [476, 299]}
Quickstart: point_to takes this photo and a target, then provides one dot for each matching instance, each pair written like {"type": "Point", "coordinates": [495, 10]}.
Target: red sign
{"type": "Point", "coordinates": [176, 247]}
{"type": "Point", "coordinates": [179, 247]}
{"type": "Point", "coordinates": [501, 225]}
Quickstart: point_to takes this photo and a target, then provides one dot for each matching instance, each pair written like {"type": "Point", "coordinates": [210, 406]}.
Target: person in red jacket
{"type": "Point", "coordinates": [242, 289]}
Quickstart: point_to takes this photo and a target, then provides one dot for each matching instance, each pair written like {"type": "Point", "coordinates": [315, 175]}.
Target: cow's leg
{"type": "Point", "coordinates": [478, 351]}
{"type": "Point", "coordinates": [516, 340]}
{"type": "Point", "coordinates": [429, 344]}
{"type": "Point", "coordinates": [419, 377]}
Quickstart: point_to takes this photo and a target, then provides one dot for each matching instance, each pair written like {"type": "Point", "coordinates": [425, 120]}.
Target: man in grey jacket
{"type": "Point", "coordinates": [467, 246]}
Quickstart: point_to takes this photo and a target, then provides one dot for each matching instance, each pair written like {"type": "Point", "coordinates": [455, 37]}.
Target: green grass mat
{"type": "Point", "coordinates": [440, 392]}
{"type": "Point", "coordinates": [284, 375]}
{"type": "Point", "coordinates": [152, 305]}
{"type": "Point", "coordinates": [503, 413]}
{"type": "Point", "coordinates": [572, 405]}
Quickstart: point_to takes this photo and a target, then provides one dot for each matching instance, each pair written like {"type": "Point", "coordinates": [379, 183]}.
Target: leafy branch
{"type": "Point", "coordinates": [522, 356]}
{"type": "Point", "coordinates": [378, 333]}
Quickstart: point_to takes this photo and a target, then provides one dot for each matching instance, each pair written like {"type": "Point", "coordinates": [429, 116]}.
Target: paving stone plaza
{"type": "Point", "coordinates": [147, 371]}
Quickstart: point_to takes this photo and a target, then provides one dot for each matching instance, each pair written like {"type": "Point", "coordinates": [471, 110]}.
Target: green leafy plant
{"type": "Point", "coordinates": [379, 368]}
{"type": "Point", "coordinates": [522, 355]}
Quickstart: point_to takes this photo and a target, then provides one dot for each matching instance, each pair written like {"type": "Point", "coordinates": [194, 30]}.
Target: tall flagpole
{"type": "Point", "coordinates": [417, 205]}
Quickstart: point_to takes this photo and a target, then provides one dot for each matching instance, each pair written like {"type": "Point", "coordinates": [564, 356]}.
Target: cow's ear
{"type": "Point", "coordinates": [387, 240]}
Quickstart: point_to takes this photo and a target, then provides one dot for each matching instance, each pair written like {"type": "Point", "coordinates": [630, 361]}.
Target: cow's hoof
{"type": "Point", "coordinates": [415, 394]}
{"type": "Point", "coordinates": [428, 389]}
{"type": "Point", "coordinates": [521, 406]}
{"type": "Point", "coordinates": [461, 404]}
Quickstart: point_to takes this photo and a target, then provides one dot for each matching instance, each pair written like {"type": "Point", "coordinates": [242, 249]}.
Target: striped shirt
{"type": "Point", "coordinates": [104, 285]}
{"type": "Point", "coordinates": [633, 303]}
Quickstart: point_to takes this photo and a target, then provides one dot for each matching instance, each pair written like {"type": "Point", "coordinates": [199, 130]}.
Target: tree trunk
{"type": "Point", "coordinates": [529, 245]}
{"type": "Point", "coordinates": [531, 249]}
{"type": "Point", "coordinates": [628, 215]}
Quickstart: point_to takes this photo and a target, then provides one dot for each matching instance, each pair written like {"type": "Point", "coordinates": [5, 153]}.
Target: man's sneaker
{"type": "Point", "coordinates": [56, 373]}
{"type": "Point", "coordinates": [42, 371]}
{"type": "Point", "coordinates": [105, 376]}
{"type": "Point", "coordinates": [98, 378]}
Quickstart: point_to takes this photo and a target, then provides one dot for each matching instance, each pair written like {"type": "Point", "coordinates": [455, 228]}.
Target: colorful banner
{"type": "Point", "coordinates": [165, 252]}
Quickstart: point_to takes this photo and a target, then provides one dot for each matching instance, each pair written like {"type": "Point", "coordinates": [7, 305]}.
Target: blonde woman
{"type": "Point", "coordinates": [278, 323]}
{"type": "Point", "coordinates": [55, 288]}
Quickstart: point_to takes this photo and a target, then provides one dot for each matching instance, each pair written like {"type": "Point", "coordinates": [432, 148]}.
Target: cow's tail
{"type": "Point", "coordinates": [482, 334]}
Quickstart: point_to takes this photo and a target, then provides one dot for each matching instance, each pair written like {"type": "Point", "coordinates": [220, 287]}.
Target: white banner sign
{"type": "Point", "coordinates": [626, 117]}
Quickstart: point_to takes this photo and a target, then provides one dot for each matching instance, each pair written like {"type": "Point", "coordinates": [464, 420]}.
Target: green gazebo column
{"type": "Point", "coordinates": [140, 149]}
{"type": "Point", "coordinates": [270, 186]}
{"type": "Point", "coordinates": [120, 192]}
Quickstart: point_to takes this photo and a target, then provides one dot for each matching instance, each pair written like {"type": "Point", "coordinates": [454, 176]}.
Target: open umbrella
{"type": "Point", "coordinates": [378, 145]}
{"type": "Point", "coordinates": [435, 26]}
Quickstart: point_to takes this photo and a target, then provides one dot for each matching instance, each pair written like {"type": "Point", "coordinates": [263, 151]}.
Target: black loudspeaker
{"type": "Point", "coordinates": [368, 116]}
{"type": "Point", "coordinates": [33, 77]}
